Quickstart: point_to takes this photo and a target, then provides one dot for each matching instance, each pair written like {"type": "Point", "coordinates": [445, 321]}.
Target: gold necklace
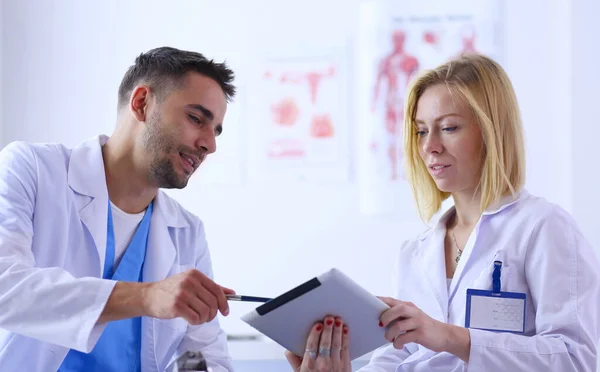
{"type": "Point", "coordinates": [458, 250]}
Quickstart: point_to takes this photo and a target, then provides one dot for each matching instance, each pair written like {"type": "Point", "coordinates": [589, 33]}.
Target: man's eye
{"type": "Point", "coordinates": [195, 119]}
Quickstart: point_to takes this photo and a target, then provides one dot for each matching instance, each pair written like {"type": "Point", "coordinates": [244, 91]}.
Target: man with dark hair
{"type": "Point", "coordinates": [99, 269]}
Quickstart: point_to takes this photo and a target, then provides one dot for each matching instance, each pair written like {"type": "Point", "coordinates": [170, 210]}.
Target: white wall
{"type": "Point", "coordinates": [585, 118]}
{"type": "Point", "coordinates": [531, 49]}
{"type": "Point", "coordinates": [63, 61]}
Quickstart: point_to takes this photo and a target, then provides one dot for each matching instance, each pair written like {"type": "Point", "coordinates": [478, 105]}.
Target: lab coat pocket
{"type": "Point", "coordinates": [509, 279]}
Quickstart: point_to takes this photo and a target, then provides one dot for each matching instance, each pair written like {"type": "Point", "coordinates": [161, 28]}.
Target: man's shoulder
{"type": "Point", "coordinates": [22, 153]}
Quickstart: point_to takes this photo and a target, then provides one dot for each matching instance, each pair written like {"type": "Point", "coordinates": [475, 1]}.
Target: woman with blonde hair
{"type": "Point", "coordinates": [503, 280]}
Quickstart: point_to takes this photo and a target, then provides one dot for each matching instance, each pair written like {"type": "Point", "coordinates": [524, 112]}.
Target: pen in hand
{"type": "Point", "coordinates": [247, 298]}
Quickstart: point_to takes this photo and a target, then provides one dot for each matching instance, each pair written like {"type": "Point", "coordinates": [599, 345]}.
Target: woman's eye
{"type": "Point", "coordinates": [420, 133]}
{"type": "Point", "coordinates": [449, 129]}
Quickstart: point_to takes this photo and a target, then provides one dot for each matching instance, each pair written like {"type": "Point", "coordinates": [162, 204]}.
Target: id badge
{"type": "Point", "coordinates": [495, 310]}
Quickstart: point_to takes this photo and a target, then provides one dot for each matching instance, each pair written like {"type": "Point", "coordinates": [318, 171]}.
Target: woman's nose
{"type": "Point", "coordinates": [432, 144]}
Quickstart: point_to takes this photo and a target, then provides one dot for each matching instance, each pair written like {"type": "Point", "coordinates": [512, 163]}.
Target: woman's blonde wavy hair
{"type": "Point", "coordinates": [484, 85]}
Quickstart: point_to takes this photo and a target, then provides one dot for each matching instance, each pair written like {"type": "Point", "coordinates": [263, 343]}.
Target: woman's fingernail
{"type": "Point", "coordinates": [319, 327]}
{"type": "Point", "coordinates": [380, 324]}
{"type": "Point", "coordinates": [338, 323]}
{"type": "Point", "coordinates": [329, 322]}
{"type": "Point", "coordinates": [345, 331]}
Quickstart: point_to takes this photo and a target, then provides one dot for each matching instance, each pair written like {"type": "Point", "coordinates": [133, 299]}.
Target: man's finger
{"type": "Point", "coordinates": [198, 291]}
{"type": "Point", "coordinates": [199, 306]}
{"type": "Point", "coordinates": [218, 294]}
{"type": "Point", "coordinates": [227, 291]}
{"type": "Point", "coordinates": [209, 290]}
{"type": "Point", "coordinates": [189, 315]}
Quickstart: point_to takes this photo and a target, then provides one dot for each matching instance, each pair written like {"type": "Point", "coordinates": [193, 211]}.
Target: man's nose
{"type": "Point", "coordinates": [207, 142]}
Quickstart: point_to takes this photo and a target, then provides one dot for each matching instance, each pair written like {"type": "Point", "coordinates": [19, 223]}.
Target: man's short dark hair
{"type": "Point", "coordinates": [164, 68]}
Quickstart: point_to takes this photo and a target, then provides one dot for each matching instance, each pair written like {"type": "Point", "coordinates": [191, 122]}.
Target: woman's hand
{"type": "Point", "coordinates": [407, 323]}
{"type": "Point", "coordinates": [326, 348]}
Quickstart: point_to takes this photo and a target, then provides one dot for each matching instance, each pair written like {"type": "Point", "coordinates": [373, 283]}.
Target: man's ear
{"type": "Point", "coordinates": [138, 102]}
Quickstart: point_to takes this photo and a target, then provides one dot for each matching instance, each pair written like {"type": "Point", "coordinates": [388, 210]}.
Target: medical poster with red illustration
{"type": "Point", "coordinates": [305, 137]}
{"type": "Point", "coordinates": [395, 43]}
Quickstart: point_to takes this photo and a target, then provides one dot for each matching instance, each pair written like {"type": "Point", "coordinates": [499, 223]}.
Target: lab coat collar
{"type": "Point", "coordinates": [439, 220]}
{"type": "Point", "coordinates": [87, 179]}
{"type": "Point", "coordinates": [505, 202]}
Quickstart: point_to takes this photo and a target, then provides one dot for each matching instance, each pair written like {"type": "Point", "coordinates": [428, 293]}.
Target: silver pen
{"type": "Point", "coordinates": [247, 298]}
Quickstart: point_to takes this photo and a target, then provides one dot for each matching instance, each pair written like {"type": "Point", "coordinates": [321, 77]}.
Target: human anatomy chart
{"type": "Point", "coordinates": [305, 137]}
{"type": "Point", "coordinates": [395, 44]}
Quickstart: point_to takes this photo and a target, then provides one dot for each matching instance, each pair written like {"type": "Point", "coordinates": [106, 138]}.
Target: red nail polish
{"type": "Point", "coordinates": [380, 324]}
{"type": "Point", "coordinates": [319, 327]}
{"type": "Point", "coordinates": [338, 323]}
{"type": "Point", "coordinates": [345, 331]}
{"type": "Point", "coordinates": [329, 322]}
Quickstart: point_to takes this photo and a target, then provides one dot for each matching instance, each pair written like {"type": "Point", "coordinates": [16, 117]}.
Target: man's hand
{"type": "Point", "coordinates": [190, 295]}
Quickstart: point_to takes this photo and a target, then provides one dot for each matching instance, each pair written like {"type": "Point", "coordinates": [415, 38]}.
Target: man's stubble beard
{"type": "Point", "coordinates": [158, 144]}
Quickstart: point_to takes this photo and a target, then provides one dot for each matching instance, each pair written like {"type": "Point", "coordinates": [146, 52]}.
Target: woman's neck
{"type": "Point", "coordinates": [467, 209]}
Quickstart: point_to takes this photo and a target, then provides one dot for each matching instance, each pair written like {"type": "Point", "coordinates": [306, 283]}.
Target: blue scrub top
{"type": "Point", "coordinates": [118, 348]}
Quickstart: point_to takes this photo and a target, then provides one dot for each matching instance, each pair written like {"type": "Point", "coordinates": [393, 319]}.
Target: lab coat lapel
{"type": "Point", "coordinates": [434, 268]}
{"type": "Point", "coordinates": [160, 257]}
{"type": "Point", "coordinates": [87, 179]}
{"type": "Point", "coordinates": [472, 252]}
{"type": "Point", "coordinates": [160, 250]}
{"type": "Point", "coordinates": [464, 261]}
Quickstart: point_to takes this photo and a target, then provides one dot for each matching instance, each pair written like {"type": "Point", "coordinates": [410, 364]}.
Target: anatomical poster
{"type": "Point", "coordinates": [395, 43]}
{"type": "Point", "coordinates": [303, 133]}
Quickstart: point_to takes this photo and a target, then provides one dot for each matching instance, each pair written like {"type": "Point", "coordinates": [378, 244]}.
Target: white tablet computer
{"type": "Point", "coordinates": [288, 319]}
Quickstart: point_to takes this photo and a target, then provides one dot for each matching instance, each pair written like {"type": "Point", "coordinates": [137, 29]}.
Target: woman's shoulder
{"type": "Point", "coordinates": [532, 209]}
{"type": "Point", "coordinates": [411, 245]}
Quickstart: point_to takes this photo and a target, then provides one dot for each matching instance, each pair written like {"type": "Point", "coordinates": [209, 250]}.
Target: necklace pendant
{"type": "Point", "coordinates": [457, 259]}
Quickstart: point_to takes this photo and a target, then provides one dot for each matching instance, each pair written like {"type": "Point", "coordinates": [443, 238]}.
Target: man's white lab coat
{"type": "Point", "coordinates": [53, 224]}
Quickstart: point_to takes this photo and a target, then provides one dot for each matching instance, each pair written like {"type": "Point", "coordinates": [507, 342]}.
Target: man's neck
{"type": "Point", "coordinates": [128, 186]}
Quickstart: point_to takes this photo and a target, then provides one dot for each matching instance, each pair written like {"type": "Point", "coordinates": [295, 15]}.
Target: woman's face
{"type": "Point", "coordinates": [450, 141]}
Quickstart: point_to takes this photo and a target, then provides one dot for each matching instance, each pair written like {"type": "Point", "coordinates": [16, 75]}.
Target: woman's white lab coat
{"type": "Point", "coordinates": [544, 256]}
{"type": "Point", "coordinates": [53, 213]}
